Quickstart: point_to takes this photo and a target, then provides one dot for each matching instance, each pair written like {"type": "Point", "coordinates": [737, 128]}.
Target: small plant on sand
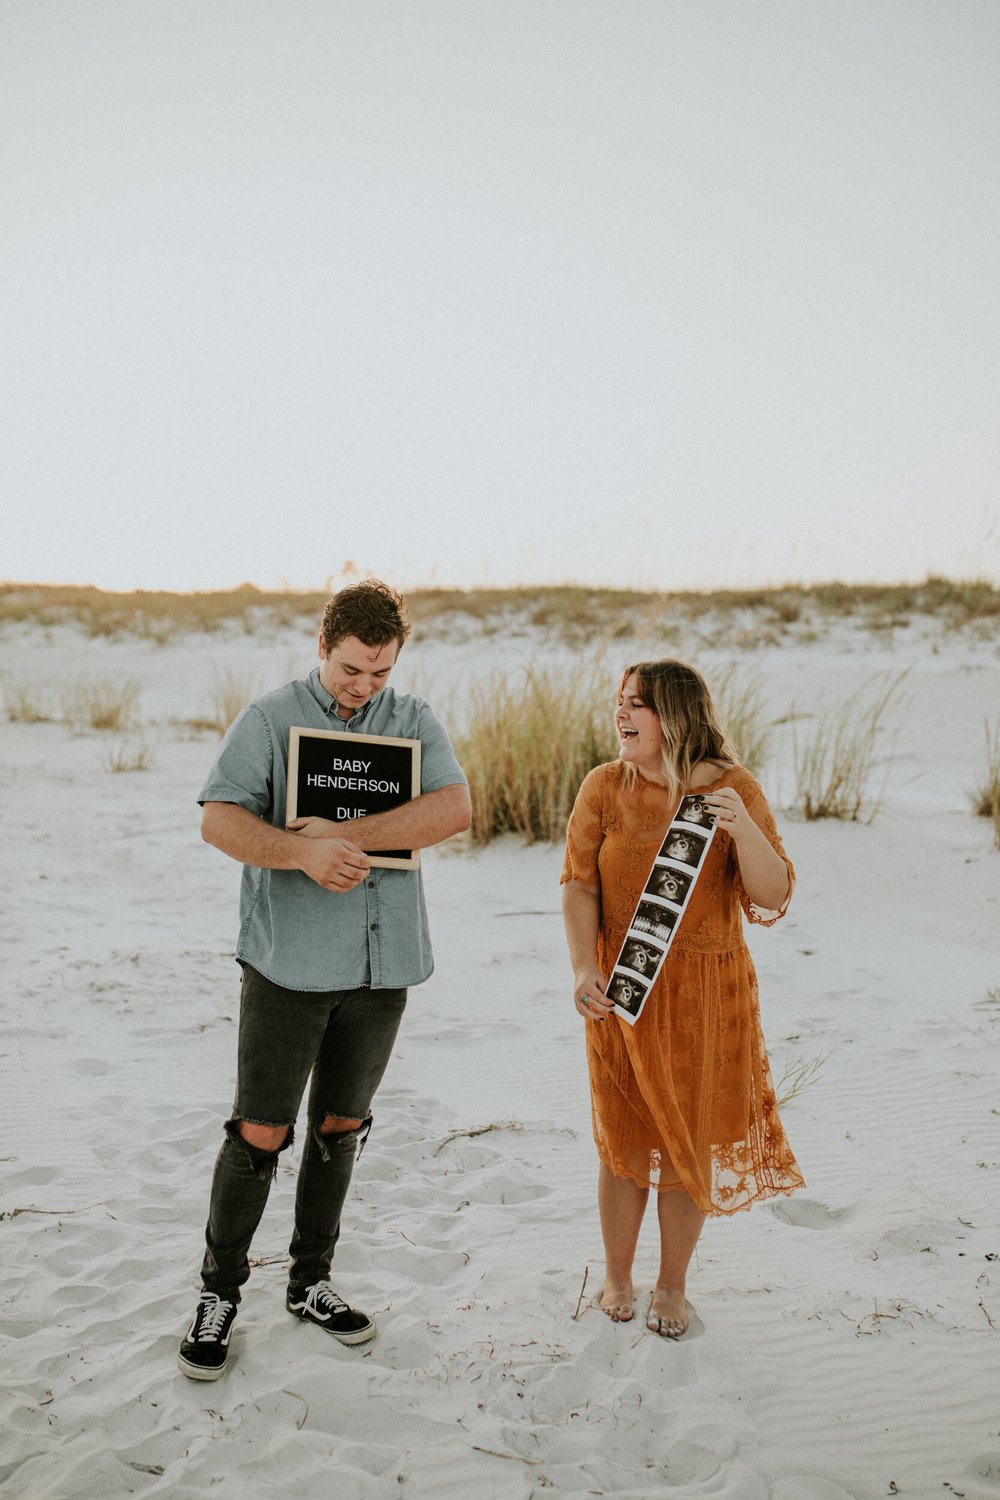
{"type": "Point", "coordinates": [834, 767]}
{"type": "Point", "coordinates": [985, 796]}
{"type": "Point", "coordinates": [798, 1075]}
{"type": "Point", "coordinates": [130, 753]}
{"type": "Point", "coordinates": [26, 700]}
{"type": "Point", "coordinates": [532, 739]}
{"type": "Point", "coordinates": [232, 689]}
{"type": "Point", "coordinates": [100, 702]}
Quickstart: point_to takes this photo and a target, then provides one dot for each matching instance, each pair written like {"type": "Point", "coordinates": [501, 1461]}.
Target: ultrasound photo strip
{"type": "Point", "coordinates": [661, 907]}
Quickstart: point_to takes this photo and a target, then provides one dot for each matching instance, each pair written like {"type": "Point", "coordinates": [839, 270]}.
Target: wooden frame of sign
{"type": "Point", "coordinates": [353, 776]}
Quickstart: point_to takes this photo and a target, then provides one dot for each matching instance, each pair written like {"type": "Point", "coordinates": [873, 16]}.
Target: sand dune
{"type": "Point", "coordinates": [846, 1341]}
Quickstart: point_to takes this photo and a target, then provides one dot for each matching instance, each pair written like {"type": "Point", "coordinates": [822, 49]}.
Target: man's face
{"type": "Point", "coordinates": [352, 672]}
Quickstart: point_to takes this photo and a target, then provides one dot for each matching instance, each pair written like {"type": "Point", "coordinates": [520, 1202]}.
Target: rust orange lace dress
{"type": "Point", "coordinates": [684, 1098]}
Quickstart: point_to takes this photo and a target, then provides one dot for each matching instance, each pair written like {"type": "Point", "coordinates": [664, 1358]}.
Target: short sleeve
{"type": "Point", "coordinates": [585, 832]}
{"type": "Point", "coordinates": [757, 806]}
{"type": "Point", "coordinates": [243, 770]}
{"type": "Point", "coordinates": [438, 765]}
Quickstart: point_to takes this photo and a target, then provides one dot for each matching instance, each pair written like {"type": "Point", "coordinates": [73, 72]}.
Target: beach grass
{"type": "Point", "coordinates": [532, 737]}
{"type": "Point", "coordinates": [231, 690]}
{"type": "Point", "coordinates": [26, 700]}
{"type": "Point", "coordinates": [836, 759]}
{"type": "Point", "coordinates": [797, 1076]}
{"type": "Point", "coordinates": [569, 612]}
{"type": "Point", "coordinates": [132, 752]}
{"type": "Point", "coordinates": [738, 695]}
{"type": "Point", "coordinates": [985, 796]}
{"type": "Point", "coordinates": [99, 701]}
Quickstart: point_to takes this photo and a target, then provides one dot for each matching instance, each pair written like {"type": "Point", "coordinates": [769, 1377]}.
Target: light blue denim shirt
{"type": "Point", "coordinates": [293, 931]}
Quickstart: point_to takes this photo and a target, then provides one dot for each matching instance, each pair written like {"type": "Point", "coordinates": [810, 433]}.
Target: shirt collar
{"type": "Point", "coordinates": [329, 704]}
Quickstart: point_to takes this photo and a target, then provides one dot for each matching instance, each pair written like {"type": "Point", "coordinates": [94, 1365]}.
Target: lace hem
{"type": "Point", "coordinates": [714, 1210]}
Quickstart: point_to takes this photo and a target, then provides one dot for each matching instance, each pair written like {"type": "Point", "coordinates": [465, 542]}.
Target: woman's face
{"type": "Point", "coordinates": [639, 732]}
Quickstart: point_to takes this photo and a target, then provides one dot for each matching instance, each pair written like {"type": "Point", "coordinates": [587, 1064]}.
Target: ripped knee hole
{"type": "Point", "coordinates": [338, 1125]}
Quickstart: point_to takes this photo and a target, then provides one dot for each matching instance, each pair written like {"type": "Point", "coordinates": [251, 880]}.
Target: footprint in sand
{"type": "Point", "coordinates": [805, 1213]}
{"type": "Point", "coordinates": [92, 1065]}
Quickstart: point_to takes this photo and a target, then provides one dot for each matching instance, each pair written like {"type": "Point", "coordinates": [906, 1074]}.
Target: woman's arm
{"type": "Point", "coordinates": [581, 919]}
{"type": "Point", "coordinates": [762, 869]}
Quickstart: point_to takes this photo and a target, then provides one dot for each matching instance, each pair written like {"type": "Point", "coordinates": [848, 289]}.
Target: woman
{"type": "Point", "coordinates": [682, 1100]}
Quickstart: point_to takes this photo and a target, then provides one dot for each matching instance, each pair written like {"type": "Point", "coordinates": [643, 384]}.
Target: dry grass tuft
{"type": "Point", "coordinates": [530, 743]}
{"type": "Point", "coordinates": [834, 767]}
{"type": "Point", "coordinates": [985, 797]}
{"type": "Point", "coordinates": [131, 753]}
{"type": "Point", "coordinates": [799, 1073]}
{"type": "Point", "coordinates": [232, 689]}
{"type": "Point", "coordinates": [25, 699]}
{"type": "Point", "coordinates": [100, 702]}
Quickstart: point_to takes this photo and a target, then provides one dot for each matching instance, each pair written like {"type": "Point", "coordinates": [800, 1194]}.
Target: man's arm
{"type": "Point", "coordinates": [428, 819]}
{"type": "Point", "coordinates": [335, 863]}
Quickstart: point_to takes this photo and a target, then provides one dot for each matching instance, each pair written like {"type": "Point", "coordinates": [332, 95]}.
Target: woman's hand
{"type": "Point", "coordinates": [589, 998]}
{"type": "Point", "coordinates": [314, 828]}
{"type": "Point", "coordinates": [730, 812]}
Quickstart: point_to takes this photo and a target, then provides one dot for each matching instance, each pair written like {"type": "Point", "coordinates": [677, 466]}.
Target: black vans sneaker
{"type": "Point", "coordinates": [204, 1352]}
{"type": "Point", "coordinates": [320, 1304]}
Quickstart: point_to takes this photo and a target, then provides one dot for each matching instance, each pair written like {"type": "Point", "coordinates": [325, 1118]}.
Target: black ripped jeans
{"type": "Point", "coordinates": [344, 1039]}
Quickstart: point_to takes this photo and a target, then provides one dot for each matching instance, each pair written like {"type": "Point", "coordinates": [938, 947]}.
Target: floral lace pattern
{"type": "Point", "coordinates": [685, 1097]}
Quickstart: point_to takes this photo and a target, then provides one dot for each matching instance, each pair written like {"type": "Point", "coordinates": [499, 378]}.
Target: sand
{"type": "Point", "coordinates": [846, 1341]}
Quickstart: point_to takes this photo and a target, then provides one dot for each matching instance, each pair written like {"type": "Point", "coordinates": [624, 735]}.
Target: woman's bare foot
{"type": "Point", "coordinates": [667, 1314]}
{"type": "Point", "coordinates": [617, 1302]}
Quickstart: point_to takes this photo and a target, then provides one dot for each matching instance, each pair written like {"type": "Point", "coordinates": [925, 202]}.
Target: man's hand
{"type": "Point", "coordinates": [333, 863]}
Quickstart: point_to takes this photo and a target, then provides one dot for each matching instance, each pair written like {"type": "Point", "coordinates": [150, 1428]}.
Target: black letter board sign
{"type": "Point", "coordinates": [338, 776]}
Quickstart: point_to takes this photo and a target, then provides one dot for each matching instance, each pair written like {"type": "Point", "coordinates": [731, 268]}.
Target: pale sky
{"type": "Point", "coordinates": [661, 292]}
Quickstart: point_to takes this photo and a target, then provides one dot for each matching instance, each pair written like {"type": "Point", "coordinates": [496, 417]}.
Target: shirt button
{"type": "Point", "coordinates": [373, 927]}
{"type": "Point", "coordinates": [371, 885]}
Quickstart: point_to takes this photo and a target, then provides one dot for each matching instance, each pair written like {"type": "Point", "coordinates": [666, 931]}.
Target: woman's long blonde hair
{"type": "Point", "coordinates": [689, 720]}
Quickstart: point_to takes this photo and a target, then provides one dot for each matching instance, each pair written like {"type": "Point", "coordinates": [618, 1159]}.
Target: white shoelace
{"type": "Point", "coordinates": [323, 1299]}
{"type": "Point", "coordinates": [213, 1318]}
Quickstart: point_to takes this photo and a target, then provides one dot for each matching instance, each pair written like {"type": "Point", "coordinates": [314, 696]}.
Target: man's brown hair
{"type": "Point", "coordinates": [371, 610]}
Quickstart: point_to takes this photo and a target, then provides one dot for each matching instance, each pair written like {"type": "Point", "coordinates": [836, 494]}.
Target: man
{"type": "Point", "coordinates": [328, 947]}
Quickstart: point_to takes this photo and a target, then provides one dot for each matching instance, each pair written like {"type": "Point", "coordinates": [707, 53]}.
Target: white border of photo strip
{"type": "Point", "coordinates": [656, 918]}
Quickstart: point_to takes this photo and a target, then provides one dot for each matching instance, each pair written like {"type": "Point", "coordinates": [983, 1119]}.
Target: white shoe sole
{"type": "Point", "coordinates": [360, 1336]}
{"type": "Point", "coordinates": [200, 1372]}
